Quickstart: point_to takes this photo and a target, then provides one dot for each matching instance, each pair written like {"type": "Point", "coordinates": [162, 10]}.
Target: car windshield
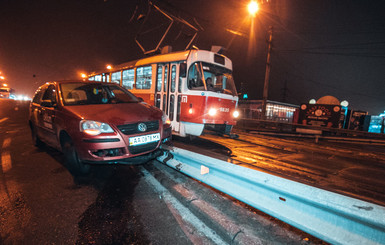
{"type": "Point", "coordinates": [210, 77]}
{"type": "Point", "coordinates": [95, 93]}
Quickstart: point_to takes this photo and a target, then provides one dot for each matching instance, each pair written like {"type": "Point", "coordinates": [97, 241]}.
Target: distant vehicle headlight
{"type": "Point", "coordinates": [94, 127]}
{"type": "Point", "coordinates": [165, 119]}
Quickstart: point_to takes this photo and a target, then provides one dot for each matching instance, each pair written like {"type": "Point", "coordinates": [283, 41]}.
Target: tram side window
{"type": "Point", "coordinates": [173, 76]}
{"type": "Point", "coordinates": [143, 77]}
{"type": "Point", "coordinates": [159, 78]}
{"type": "Point", "coordinates": [115, 77]}
{"type": "Point", "coordinates": [128, 79]}
{"type": "Point", "coordinates": [165, 78]}
{"type": "Point", "coordinates": [171, 114]}
{"type": "Point", "coordinates": [91, 78]}
{"type": "Point", "coordinates": [157, 102]}
{"type": "Point", "coordinates": [98, 78]}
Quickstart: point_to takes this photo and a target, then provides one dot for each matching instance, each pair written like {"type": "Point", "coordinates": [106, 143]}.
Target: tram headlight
{"type": "Point", "coordinates": [212, 111]}
{"type": "Point", "coordinates": [236, 114]}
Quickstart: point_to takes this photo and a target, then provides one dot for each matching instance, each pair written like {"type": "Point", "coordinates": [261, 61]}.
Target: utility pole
{"type": "Point", "coordinates": [284, 91]}
{"type": "Point", "coordinates": [267, 74]}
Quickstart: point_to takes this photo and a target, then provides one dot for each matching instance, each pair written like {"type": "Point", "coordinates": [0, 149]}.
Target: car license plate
{"type": "Point", "coordinates": [139, 140]}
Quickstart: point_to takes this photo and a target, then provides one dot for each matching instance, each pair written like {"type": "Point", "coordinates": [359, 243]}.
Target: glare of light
{"type": "Point", "coordinates": [312, 101]}
{"type": "Point", "coordinates": [109, 67]}
{"type": "Point", "coordinates": [22, 97]}
{"type": "Point", "coordinates": [344, 103]}
{"type": "Point", "coordinates": [238, 33]}
{"type": "Point", "coordinates": [236, 114]}
{"type": "Point", "coordinates": [92, 131]}
{"type": "Point", "coordinates": [83, 75]}
{"type": "Point", "coordinates": [253, 8]}
{"type": "Point", "coordinates": [2, 77]}
{"type": "Point", "coordinates": [212, 111]}
{"type": "Point", "coordinates": [190, 111]}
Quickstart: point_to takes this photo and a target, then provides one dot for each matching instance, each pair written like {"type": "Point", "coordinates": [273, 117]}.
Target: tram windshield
{"type": "Point", "coordinates": [209, 77]}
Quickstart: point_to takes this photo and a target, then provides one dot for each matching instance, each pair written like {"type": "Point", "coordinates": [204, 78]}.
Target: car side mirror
{"type": "Point", "coordinates": [47, 103]}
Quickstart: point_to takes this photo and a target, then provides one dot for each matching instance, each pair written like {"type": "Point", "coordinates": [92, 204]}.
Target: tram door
{"type": "Point", "coordinates": [167, 90]}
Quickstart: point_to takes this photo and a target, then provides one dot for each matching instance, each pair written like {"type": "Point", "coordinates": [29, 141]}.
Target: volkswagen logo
{"type": "Point", "coordinates": [142, 127]}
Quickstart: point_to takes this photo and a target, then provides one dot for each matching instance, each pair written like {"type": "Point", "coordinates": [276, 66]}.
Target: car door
{"type": "Point", "coordinates": [47, 114]}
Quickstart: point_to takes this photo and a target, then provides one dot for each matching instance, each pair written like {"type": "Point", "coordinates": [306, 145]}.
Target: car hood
{"type": "Point", "coordinates": [116, 114]}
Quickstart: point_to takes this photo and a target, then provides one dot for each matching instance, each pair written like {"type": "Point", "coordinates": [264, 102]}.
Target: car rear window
{"type": "Point", "coordinates": [95, 93]}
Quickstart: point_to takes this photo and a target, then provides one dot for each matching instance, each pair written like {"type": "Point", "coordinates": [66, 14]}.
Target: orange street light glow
{"type": "Point", "coordinates": [109, 67]}
{"type": "Point", "coordinates": [253, 8]}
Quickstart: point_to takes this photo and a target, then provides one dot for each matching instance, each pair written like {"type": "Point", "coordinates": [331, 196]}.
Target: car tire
{"type": "Point", "coordinates": [35, 139]}
{"type": "Point", "coordinates": [72, 159]}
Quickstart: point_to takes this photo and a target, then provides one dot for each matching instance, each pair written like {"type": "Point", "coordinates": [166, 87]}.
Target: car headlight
{"type": "Point", "coordinates": [94, 127]}
{"type": "Point", "coordinates": [165, 119]}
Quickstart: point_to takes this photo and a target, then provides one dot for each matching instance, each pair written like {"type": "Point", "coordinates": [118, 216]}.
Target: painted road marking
{"type": "Point", "coordinates": [3, 119]}
{"type": "Point", "coordinates": [6, 143]}
{"type": "Point", "coordinates": [6, 162]}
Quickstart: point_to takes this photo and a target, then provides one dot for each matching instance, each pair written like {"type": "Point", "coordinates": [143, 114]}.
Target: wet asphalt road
{"type": "Point", "coordinates": [42, 202]}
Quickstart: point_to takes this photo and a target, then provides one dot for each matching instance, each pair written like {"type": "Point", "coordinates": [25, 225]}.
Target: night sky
{"type": "Point", "coordinates": [319, 47]}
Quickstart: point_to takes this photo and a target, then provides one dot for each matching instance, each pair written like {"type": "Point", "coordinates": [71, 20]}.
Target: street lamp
{"type": "Point", "coordinates": [253, 8]}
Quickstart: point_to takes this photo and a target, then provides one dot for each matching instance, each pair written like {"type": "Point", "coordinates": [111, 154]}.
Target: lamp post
{"type": "Point", "coordinates": [253, 9]}
{"type": "Point", "coordinates": [267, 74]}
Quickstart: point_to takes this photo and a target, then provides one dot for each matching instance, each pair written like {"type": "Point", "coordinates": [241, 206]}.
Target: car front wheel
{"type": "Point", "coordinates": [72, 159]}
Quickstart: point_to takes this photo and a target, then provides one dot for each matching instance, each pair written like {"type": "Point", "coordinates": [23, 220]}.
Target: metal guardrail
{"type": "Point", "coordinates": [329, 216]}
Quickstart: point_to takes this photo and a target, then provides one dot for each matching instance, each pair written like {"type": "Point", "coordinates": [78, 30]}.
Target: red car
{"type": "Point", "coordinates": [94, 122]}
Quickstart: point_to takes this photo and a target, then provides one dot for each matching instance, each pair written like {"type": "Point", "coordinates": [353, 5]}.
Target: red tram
{"type": "Point", "coordinates": [194, 87]}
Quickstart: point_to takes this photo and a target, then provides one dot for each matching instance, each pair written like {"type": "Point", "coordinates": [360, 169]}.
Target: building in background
{"type": "Point", "coordinates": [275, 111]}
